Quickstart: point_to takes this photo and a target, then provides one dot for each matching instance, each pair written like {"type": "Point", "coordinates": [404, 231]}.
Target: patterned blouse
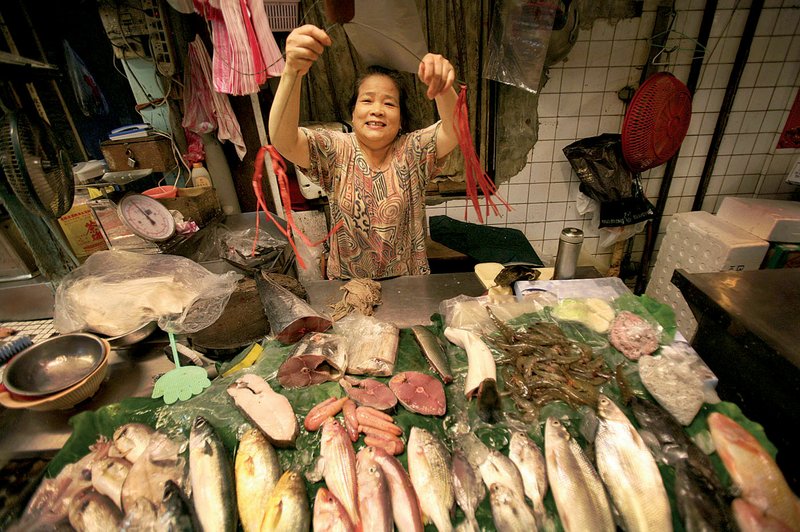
{"type": "Point", "coordinates": [383, 213]}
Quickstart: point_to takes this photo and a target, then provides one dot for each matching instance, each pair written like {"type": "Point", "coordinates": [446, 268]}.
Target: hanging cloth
{"type": "Point", "coordinates": [207, 109]}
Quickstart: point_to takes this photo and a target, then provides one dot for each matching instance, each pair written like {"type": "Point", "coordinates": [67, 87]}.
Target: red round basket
{"type": "Point", "coordinates": [656, 122]}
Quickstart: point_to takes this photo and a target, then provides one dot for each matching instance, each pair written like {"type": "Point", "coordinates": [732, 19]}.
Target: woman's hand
{"type": "Point", "coordinates": [437, 73]}
{"type": "Point", "coordinates": [304, 46]}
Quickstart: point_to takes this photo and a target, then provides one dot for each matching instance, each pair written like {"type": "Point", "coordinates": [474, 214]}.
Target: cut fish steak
{"type": "Point", "coordinates": [269, 410]}
{"type": "Point", "coordinates": [419, 393]}
{"type": "Point", "coordinates": [369, 392]}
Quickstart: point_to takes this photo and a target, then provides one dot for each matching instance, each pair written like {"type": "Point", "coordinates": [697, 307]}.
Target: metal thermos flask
{"type": "Point", "coordinates": [569, 247]}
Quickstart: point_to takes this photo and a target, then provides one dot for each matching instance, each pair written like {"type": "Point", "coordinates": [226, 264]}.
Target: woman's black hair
{"type": "Point", "coordinates": [399, 82]}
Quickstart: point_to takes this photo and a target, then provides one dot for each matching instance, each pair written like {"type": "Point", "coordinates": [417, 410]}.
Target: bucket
{"type": "Point", "coordinates": [167, 191]}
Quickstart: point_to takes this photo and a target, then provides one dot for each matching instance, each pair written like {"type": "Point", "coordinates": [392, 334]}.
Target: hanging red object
{"type": "Point", "coordinates": [474, 175]}
{"type": "Point", "coordinates": [656, 122]}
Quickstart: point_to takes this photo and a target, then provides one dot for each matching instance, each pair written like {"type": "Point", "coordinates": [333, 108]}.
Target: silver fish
{"type": "Point", "coordinates": [509, 511]}
{"type": "Point", "coordinates": [130, 441]}
{"type": "Point", "coordinates": [374, 499]}
{"type": "Point", "coordinates": [433, 351]}
{"type": "Point", "coordinates": [287, 508]}
{"type": "Point", "coordinates": [630, 472]}
{"type": "Point", "coordinates": [108, 477]}
{"type": "Point", "coordinates": [499, 469]}
{"type": "Point", "coordinates": [467, 486]}
{"type": "Point", "coordinates": [90, 511]}
{"type": "Point", "coordinates": [530, 462]}
{"type": "Point", "coordinates": [211, 476]}
{"type": "Point", "coordinates": [429, 469]}
{"type": "Point", "coordinates": [175, 513]}
{"type": "Point", "coordinates": [257, 472]}
{"type": "Point", "coordinates": [405, 504]}
{"type": "Point", "coordinates": [141, 517]}
{"type": "Point", "coordinates": [576, 487]}
{"type": "Point", "coordinates": [329, 514]}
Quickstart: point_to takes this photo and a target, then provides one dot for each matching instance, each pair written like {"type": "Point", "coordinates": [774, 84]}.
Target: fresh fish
{"type": "Point", "coordinates": [257, 471]}
{"type": "Point", "coordinates": [175, 513]}
{"type": "Point", "coordinates": [329, 514]}
{"type": "Point", "coordinates": [754, 471]}
{"type": "Point", "coordinates": [489, 407]}
{"type": "Point", "coordinates": [108, 476]}
{"type": "Point", "coordinates": [141, 517]}
{"type": "Point", "coordinates": [267, 409]}
{"type": "Point", "coordinates": [467, 487]}
{"type": "Point", "coordinates": [701, 508]}
{"type": "Point", "coordinates": [287, 508]}
{"type": "Point", "coordinates": [289, 316]}
{"type": "Point", "coordinates": [160, 462]}
{"type": "Point", "coordinates": [419, 393]}
{"type": "Point", "coordinates": [499, 469]}
{"type": "Point", "coordinates": [339, 467]}
{"type": "Point", "coordinates": [509, 511]}
{"type": "Point", "coordinates": [90, 511]}
{"type": "Point", "coordinates": [130, 441]}
{"type": "Point", "coordinates": [576, 487]}
{"type": "Point", "coordinates": [429, 469]}
{"type": "Point", "coordinates": [405, 503]}
{"type": "Point", "coordinates": [369, 392]}
{"type": "Point", "coordinates": [433, 351]}
{"type": "Point", "coordinates": [211, 475]}
{"type": "Point", "coordinates": [750, 518]}
{"type": "Point", "coordinates": [375, 351]}
{"type": "Point", "coordinates": [530, 462]}
{"type": "Point", "coordinates": [317, 358]}
{"type": "Point", "coordinates": [374, 499]}
{"type": "Point", "coordinates": [629, 471]}
{"type": "Point", "coordinates": [481, 362]}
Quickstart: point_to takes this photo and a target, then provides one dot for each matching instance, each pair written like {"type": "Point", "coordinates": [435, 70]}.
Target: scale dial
{"type": "Point", "coordinates": [146, 217]}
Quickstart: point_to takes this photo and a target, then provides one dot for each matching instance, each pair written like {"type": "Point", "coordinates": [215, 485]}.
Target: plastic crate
{"type": "Point", "coordinates": [282, 16]}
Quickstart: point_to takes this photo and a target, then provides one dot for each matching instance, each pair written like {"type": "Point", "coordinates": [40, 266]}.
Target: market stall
{"type": "Point", "coordinates": [485, 398]}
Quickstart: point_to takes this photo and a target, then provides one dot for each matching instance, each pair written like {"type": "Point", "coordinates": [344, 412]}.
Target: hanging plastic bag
{"type": "Point", "coordinates": [600, 166]}
{"type": "Point", "coordinates": [90, 97]}
{"type": "Point", "coordinates": [518, 42]}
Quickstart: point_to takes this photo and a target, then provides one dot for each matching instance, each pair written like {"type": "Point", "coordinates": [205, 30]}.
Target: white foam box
{"type": "Point", "coordinates": [700, 242]}
{"type": "Point", "coordinates": [772, 220]}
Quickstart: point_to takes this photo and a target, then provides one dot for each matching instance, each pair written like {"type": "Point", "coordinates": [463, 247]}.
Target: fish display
{"type": "Point", "coordinates": [374, 350]}
{"type": "Point", "coordinates": [90, 511]}
{"type": "Point", "coordinates": [329, 514]}
{"type": "Point", "coordinates": [432, 349]}
{"type": "Point", "coordinates": [269, 410]}
{"type": "Point", "coordinates": [405, 503]}
{"type": "Point", "coordinates": [211, 474]}
{"type": "Point", "coordinates": [481, 364]}
{"type": "Point", "coordinates": [754, 471]}
{"type": "Point", "coordinates": [316, 358]}
{"type": "Point", "coordinates": [633, 336]}
{"type": "Point", "coordinates": [339, 467]}
{"type": "Point", "coordinates": [429, 469]}
{"type": "Point", "coordinates": [257, 471]}
{"type": "Point", "coordinates": [290, 318]}
{"type": "Point", "coordinates": [467, 487]}
{"type": "Point", "coordinates": [130, 441]}
{"type": "Point", "coordinates": [419, 393]}
{"type": "Point", "coordinates": [509, 511]}
{"type": "Point", "coordinates": [108, 476]}
{"type": "Point", "coordinates": [576, 487]}
{"type": "Point", "coordinates": [630, 472]}
{"type": "Point", "coordinates": [374, 499]}
{"type": "Point", "coordinates": [161, 461]}
{"type": "Point", "coordinates": [176, 513]}
{"type": "Point", "coordinates": [287, 507]}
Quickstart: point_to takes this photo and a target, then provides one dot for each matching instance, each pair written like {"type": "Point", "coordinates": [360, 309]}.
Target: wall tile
{"type": "Point", "coordinates": [567, 128]}
{"type": "Point", "coordinates": [777, 48]}
{"type": "Point", "coordinates": [562, 172]}
{"type": "Point", "coordinates": [730, 184]}
{"type": "Point", "coordinates": [569, 104]}
{"type": "Point", "coordinates": [599, 53]}
{"type": "Point", "coordinates": [591, 103]}
{"type": "Point", "coordinates": [588, 126]}
{"type": "Point", "coordinates": [553, 83]}
{"type": "Point", "coordinates": [756, 164]}
{"type": "Point", "coordinates": [782, 98]}
{"type": "Point", "coordinates": [696, 166]}
{"type": "Point", "coordinates": [553, 229]}
{"type": "Point", "coordinates": [518, 215]}
{"type": "Point", "coordinates": [538, 193]}
{"type": "Point", "coordinates": [612, 105]}
{"type": "Point", "coordinates": [602, 30]}
{"type": "Point", "coordinates": [610, 124]}
{"type": "Point", "coordinates": [788, 21]}
{"type": "Point", "coordinates": [766, 22]}
{"type": "Point", "coordinates": [622, 53]}
{"type": "Point", "coordinates": [758, 49]}
{"type": "Point", "coordinates": [558, 193]}
{"type": "Point", "coordinates": [578, 54]}
{"type": "Point", "coordinates": [547, 128]}
{"type": "Point", "coordinates": [548, 105]}
{"type": "Point", "coordinates": [572, 80]}
{"type": "Point", "coordinates": [750, 75]}
{"type": "Point", "coordinates": [518, 194]}
{"type": "Point", "coordinates": [543, 151]}
{"type": "Point", "coordinates": [764, 142]}
{"type": "Point", "coordinates": [749, 184]}
{"type": "Point", "coordinates": [534, 231]}
{"type": "Point", "coordinates": [595, 79]}
{"type": "Point", "coordinates": [537, 212]}
{"type": "Point", "coordinates": [768, 74]}
{"type": "Point", "coordinates": [540, 172]}
{"type": "Point", "coordinates": [789, 74]}
{"type": "Point", "coordinates": [745, 143]}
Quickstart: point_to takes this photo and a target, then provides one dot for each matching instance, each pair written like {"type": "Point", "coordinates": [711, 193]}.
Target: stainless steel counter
{"type": "Point", "coordinates": [406, 301]}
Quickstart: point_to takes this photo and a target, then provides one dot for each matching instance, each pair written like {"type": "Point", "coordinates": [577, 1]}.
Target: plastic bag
{"type": "Point", "coordinates": [115, 292]}
{"type": "Point", "coordinates": [90, 98]}
{"type": "Point", "coordinates": [469, 313]}
{"type": "Point", "coordinates": [608, 236]}
{"type": "Point", "coordinates": [518, 42]}
{"type": "Point", "coordinates": [370, 343]}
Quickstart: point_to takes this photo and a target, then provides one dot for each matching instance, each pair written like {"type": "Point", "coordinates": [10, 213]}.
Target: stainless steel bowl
{"type": "Point", "coordinates": [133, 337]}
{"type": "Point", "coordinates": [54, 364]}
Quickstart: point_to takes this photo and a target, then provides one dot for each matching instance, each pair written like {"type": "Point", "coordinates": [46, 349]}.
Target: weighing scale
{"type": "Point", "coordinates": [146, 217]}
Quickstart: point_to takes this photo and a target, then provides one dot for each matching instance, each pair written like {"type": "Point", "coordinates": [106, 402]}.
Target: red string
{"type": "Point", "coordinates": [473, 171]}
{"type": "Point", "coordinates": [279, 167]}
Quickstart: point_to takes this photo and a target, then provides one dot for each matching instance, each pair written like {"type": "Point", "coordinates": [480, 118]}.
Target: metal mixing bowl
{"type": "Point", "coordinates": [134, 336]}
{"type": "Point", "coordinates": [54, 364]}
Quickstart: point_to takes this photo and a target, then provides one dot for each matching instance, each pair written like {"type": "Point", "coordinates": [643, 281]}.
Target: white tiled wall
{"type": "Point", "coordinates": [580, 100]}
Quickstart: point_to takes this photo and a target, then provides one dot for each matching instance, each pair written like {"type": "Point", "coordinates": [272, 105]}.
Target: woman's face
{"type": "Point", "coordinates": [376, 115]}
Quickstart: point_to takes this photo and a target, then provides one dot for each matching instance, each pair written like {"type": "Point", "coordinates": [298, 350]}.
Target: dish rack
{"type": "Point", "coordinates": [282, 15]}
{"type": "Point", "coordinates": [34, 331]}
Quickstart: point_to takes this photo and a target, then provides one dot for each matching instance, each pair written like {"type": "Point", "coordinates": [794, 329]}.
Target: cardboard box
{"type": "Point", "coordinates": [700, 242]}
{"type": "Point", "coordinates": [199, 204]}
{"type": "Point", "coordinates": [148, 152]}
{"type": "Point", "coordinates": [772, 220]}
{"type": "Point", "coordinates": [82, 231]}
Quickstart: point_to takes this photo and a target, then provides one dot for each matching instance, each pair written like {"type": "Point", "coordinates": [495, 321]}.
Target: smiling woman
{"type": "Point", "coordinates": [375, 177]}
